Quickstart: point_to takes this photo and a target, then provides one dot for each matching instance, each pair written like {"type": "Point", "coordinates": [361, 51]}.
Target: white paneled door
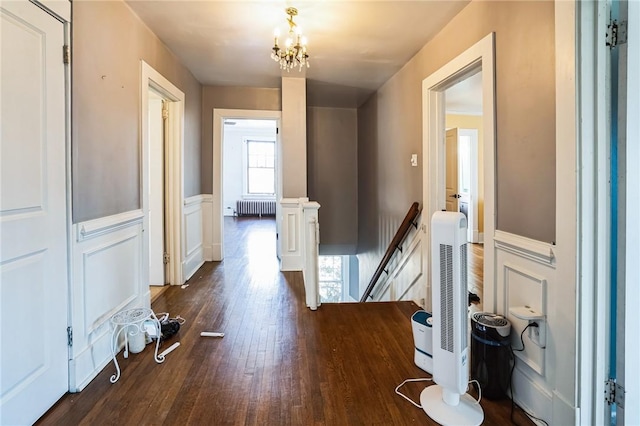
{"type": "Point", "coordinates": [33, 218]}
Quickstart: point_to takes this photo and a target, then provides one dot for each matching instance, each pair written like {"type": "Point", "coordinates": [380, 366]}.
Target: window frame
{"type": "Point", "coordinates": [245, 167]}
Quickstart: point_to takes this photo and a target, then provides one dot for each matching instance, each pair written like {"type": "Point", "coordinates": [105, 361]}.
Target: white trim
{"type": "Point", "coordinates": [588, 152]}
{"type": "Point", "coordinates": [245, 168]}
{"type": "Point", "coordinates": [150, 78]}
{"type": "Point", "coordinates": [61, 10]}
{"type": "Point", "coordinates": [479, 56]}
{"type": "Point", "coordinates": [219, 115]}
{"type": "Point", "coordinates": [107, 224]}
{"type": "Point", "coordinates": [197, 199]}
{"type": "Point", "coordinates": [194, 235]}
{"type": "Point", "coordinates": [525, 247]}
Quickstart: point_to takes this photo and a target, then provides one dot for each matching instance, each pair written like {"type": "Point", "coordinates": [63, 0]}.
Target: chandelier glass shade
{"type": "Point", "coordinates": [294, 54]}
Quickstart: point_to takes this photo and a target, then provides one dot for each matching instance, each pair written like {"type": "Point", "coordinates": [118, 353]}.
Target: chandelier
{"type": "Point", "coordinates": [294, 53]}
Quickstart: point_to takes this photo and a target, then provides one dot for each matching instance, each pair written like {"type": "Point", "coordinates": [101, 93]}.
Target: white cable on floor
{"type": "Point", "coordinates": [479, 390]}
{"type": "Point", "coordinates": [425, 379]}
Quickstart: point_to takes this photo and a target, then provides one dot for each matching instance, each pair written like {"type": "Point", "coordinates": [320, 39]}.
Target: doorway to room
{"type": "Point", "coordinates": [246, 169]}
{"type": "Point", "coordinates": [249, 181]}
{"type": "Point", "coordinates": [478, 62]}
{"type": "Point", "coordinates": [162, 177]}
{"type": "Point", "coordinates": [464, 172]}
{"type": "Point", "coordinates": [157, 224]}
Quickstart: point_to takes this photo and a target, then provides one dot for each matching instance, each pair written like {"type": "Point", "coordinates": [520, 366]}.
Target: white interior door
{"type": "Point", "coordinates": [451, 171]}
{"type": "Point", "coordinates": [157, 274]}
{"type": "Point", "coordinates": [33, 222]}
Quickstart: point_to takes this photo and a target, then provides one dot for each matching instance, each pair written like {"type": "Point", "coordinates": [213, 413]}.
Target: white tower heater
{"type": "Point", "coordinates": [447, 402]}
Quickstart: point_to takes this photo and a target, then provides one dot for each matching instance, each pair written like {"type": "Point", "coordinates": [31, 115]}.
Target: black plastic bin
{"type": "Point", "coordinates": [491, 353]}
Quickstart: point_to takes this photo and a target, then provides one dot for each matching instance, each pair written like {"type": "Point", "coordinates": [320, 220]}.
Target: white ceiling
{"type": "Point", "coordinates": [354, 45]}
{"type": "Point", "coordinates": [465, 97]}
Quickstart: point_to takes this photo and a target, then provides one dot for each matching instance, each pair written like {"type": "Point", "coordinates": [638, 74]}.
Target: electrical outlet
{"type": "Point", "coordinates": [538, 335]}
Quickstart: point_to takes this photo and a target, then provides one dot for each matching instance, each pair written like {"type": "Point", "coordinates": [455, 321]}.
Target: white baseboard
{"type": "Point", "coordinates": [193, 262]}
{"type": "Point", "coordinates": [291, 263]}
{"type": "Point", "coordinates": [91, 361]}
{"type": "Point", "coordinates": [532, 397]}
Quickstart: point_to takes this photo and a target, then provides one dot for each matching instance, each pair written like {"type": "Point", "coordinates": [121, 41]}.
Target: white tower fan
{"type": "Point", "coordinates": [447, 402]}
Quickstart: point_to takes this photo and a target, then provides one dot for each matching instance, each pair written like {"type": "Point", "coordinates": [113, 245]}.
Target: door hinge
{"type": "Point", "coordinates": [165, 258]}
{"type": "Point", "coordinates": [614, 393]}
{"type": "Point", "coordinates": [165, 110]}
{"type": "Point", "coordinates": [66, 54]}
{"type": "Point", "coordinates": [69, 336]}
{"type": "Point", "coordinates": [277, 130]}
{"type": "Point", "coordinates": [616, 33]}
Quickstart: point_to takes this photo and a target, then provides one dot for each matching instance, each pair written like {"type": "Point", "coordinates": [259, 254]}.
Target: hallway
{"type": "Point", "coordinates": [279, 363]}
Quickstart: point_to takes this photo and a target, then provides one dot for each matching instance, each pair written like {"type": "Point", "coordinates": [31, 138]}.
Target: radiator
{"type": "Point", "coordinates": [256, 208]}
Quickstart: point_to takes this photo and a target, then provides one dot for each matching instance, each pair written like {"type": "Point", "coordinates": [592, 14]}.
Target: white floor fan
{"type": "Point", "coordinates": [447, 402]}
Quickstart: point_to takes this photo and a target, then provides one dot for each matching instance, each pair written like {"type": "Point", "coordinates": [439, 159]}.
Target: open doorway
{"type": "Point", "coordinates": [476, 62]}
{"type": "Point", "coordinates": [246, 167]}
{"type": "Point", "coordinates": [249, 180]}
{"type": "Point", "coordinates": [158, 255]}
{"type": "Point", "coordinates": [464, 172]}
{"type": "Point", "coordinates": [162, 178]}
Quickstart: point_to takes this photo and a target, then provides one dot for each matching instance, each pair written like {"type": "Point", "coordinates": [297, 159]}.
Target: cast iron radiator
{"type": "Point", "coordinates": [256, 208]}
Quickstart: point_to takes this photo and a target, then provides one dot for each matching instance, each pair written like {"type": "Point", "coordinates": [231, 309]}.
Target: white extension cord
{"type": "Point", "coordinates": [427, 379]}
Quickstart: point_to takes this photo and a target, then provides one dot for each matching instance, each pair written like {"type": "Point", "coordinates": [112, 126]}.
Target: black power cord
{"type": "Point", "coordinates": [513, 366]}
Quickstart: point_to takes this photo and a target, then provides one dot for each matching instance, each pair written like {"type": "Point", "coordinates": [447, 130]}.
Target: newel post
{"type": "Point", "coordinates": [311, 231]}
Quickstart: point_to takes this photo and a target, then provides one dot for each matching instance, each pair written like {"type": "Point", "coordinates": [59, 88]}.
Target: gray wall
{"type": "Point", "coordinates": [390, 126]}
{"type": "Point", "coordinates": [227, 97]}
{"type": "Point", "coordinates": [332, 179]}
{"type": "Point", "coordinates": [108, 41]}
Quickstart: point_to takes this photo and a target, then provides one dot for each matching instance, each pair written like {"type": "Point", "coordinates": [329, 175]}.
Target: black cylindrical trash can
{"type": "Point", "coordinates": [490, 353]}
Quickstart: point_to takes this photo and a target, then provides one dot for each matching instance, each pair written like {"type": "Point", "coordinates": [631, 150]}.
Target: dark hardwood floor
{"type": "Point", "coordinates": [278, 364]}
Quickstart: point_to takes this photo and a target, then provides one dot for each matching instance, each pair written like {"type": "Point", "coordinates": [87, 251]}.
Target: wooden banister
{"type": "Point", "coordinates": [396, 244]}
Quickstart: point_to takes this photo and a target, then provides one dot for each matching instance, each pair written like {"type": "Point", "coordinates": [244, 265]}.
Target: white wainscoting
{"type": "Point", "coordinates": [193, 235]}
{"type": "Point", "coordinates": [107, 277]}
{"type": "Point", "coordinates": [210, 252]}
{"type": "Point", "coordinates": [292, 248]}
{"type": "Point", "coordinates": [525, 275]}
{"type": "Point", "coordinates": [406, 278]}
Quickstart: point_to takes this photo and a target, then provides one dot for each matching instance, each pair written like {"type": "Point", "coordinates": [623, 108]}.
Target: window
{"type": "Point", "coordinates": [330, 280]}
{"type": "Point", "coordinates": [261, 170]}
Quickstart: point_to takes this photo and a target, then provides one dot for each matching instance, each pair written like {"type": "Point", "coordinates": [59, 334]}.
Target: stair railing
{"type": "Point", "coordinates": [396, 244]}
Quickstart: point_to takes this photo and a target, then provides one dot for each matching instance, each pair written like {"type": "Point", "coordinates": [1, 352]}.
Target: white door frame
{"type": "Point", "coordinates": [590, 155]}
{"type": "Point", "coordinates": [219, 115]}
{"type": "Point", "coordinates": [175, 244]}
{"type": "Point", "coordinates": [478, 56]}
{"type": "Point", "coordinates": [628, 344]}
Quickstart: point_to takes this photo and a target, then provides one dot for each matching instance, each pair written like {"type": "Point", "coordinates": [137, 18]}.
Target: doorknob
{"type": "Point", "coordinates": [455, 196]}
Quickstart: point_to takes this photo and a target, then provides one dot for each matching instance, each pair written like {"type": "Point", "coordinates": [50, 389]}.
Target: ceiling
{"type": "Point", "coordinates": [354, 45]}
{"type": "Point", "coordinates": [465, 97]}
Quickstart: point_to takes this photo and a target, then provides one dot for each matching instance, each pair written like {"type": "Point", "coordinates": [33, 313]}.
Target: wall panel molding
{"type": "Point", "coordinates": [209, 252]}
{"type": "Point", "coordinates": [194, 235]}
{"type": "Point", "coordinates": [525, 247]}
{"type": "Point", "coordinates": [526, 275]}
{"type": "Point", "coordinates": [107, 265]}
{"type": "Point", "coordinates": [104, 225]}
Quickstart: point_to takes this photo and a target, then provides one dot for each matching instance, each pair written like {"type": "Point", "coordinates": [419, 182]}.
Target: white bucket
{"type": "Point", "coordinates": [136, 339]}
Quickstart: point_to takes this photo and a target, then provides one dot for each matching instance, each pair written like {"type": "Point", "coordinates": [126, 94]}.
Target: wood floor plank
{"type": "Point", "coordinates": [279, 363]}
